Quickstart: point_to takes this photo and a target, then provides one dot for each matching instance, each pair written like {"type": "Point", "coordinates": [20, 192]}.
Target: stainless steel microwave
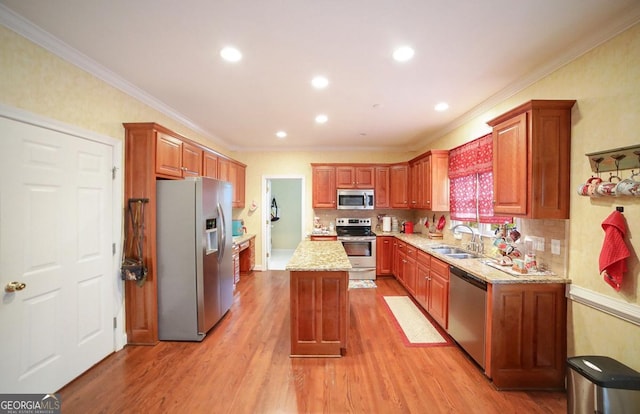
{"type": "Point", "coordinates": [355, 200]}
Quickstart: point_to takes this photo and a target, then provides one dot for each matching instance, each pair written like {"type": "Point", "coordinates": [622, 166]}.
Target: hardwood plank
{"type": "Point", "coordinates": [243, 366]}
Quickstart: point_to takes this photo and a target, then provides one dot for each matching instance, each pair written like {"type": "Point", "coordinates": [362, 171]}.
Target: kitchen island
{"type": "Point", "coordinates": [319, 283]}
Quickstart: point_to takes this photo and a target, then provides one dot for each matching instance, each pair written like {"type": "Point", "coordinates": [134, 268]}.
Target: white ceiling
{"type": "Point", "coordinates": [470, 54]}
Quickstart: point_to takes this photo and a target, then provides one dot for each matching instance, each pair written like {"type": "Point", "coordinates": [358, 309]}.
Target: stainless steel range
{"type": "Point", "coordinates": [360, 244]}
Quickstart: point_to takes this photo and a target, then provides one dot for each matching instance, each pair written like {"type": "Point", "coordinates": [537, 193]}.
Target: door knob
{"type": "Point", "coordinates": [13, 286]}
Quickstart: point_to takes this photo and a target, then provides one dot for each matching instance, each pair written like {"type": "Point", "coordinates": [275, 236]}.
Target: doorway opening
{"type": "Point", "coordinates": [283, 218]}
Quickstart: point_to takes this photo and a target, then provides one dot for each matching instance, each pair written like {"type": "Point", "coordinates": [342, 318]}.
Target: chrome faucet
{"type": "Point", "coordinates": [474, 245]}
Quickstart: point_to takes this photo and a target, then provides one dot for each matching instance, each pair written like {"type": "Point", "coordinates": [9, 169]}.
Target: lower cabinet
{"type": "Point", "coordinates": [526, 326]}
{"type": "Point", "coordinates": [423, 265]}
{"type": "Point", "coordinates": [438, 292]}
{"type": "Point", "coordinates": [384, 255]}
{"type": "Point", "coordinates": [409, 271]}
{"type": "Point", "coordinates": [319, 313]}
{"type": "Point", "coordinates": [527, 336]}
{"type": "Point", "coordinates": [248, 255]}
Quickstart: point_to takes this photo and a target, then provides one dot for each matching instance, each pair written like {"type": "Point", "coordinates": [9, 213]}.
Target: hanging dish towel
{"type": "Point", "coordinates": [614, 250]}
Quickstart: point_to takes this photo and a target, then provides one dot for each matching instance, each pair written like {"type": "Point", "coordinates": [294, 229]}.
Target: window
{"type": "Point", "coordinates": [471, 183]}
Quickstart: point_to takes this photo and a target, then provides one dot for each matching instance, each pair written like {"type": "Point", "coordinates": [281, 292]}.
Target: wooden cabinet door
{"type": "Point", "coordinates": [531, 160]}
{"type": "Point", "coordinates": [365, 177]}
{"type": "Point", "coordinates": [319, 312]}
{"type": "Point", "coordinates": [415, 181]}
{"type": "Point", "coordinates": [528, 336]}
{"type": "Point", "coordinates": [210, 165]}
{"type": "Point", "coordinates": [423, 199]}
{"type": "Point", "coordinates": [422, 281]}
{"type": "Point", "coordinates": [324, 187]}
{"type": "Point", "coordinates": [168, 155]}
{"type": "Point", "coordinates": [381, 193]}
{"type": "Point", "coordinates": [438, 181]}
{"type": "Point", "coordinates": [224, 170]}
{"type": "Point", "coordinates": [239, 172]}
{"type": "Point", "coordinates": [191, 160]}
{"type": "Point", "coordinates": [394, 256]}
{"type": "Point", "coordinates": [423, 266]}
{"type": "Point", "coordinates": [355, 176]}
{"type": "Point", "coordinates": [409, 273]}
{"type": "Point", "coordinates": [510, 166]}
{"type": "Point", "coordinates": [439, 292]}
{"type": "Point", "coordinates": [384, 255]}
{"type": "Point", "coordinates": [399, 185]}
{"type": "Point", "coordinates": [345, 177]}
{"type": "Point", "coordinates": [400, 259]}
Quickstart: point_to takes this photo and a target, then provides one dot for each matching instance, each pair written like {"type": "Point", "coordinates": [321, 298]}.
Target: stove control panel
{"type": "Point", "coordinates": [353, 222]}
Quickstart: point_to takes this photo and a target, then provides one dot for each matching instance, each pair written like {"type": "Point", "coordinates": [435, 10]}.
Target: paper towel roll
{"type": "Point", "coordinates": [386, 223]}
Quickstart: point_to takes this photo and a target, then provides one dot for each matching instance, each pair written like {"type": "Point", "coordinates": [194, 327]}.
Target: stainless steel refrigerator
{"type": "Point", "coordinates": [194, 251]}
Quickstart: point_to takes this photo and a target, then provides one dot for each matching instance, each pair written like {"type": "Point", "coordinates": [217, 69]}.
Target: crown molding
{"type": "Point", "coordinates": [35, 34]}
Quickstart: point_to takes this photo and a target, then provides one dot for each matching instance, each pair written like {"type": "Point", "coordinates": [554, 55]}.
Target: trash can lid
{"type": "Point", "coordinates": [606, 372]}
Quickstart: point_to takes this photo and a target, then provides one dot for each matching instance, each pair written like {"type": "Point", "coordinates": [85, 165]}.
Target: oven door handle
{"type": "Point", "coordinates": [361, 269]}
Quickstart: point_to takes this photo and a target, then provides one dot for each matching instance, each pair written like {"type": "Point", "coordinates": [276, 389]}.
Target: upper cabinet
{"type": "Point", "coordinates": [210, 165]}
{"type": "Point", "coordinates": [531, 160]}
{"type": "Point", "coordinates": [234, 172]}
{"type": "Point", "coordinates": [429, 181]}
{"type": "Point", "coordinates": [177, 158]}
{"type": "Point", "coordinates": [324, 186]}
{"type": "Point", "coordinates": [399, 185]}
{"type": "Point", "coordinates": [381, 189]}
{"type": "Point", "coordinates": [355, 176]}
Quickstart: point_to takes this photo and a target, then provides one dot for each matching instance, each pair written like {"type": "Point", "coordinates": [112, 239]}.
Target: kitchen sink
{"type": "Point", "coordinates": [454, 252]}
{"type": "Point", "coordinates": [448, 250]}
{"type": "Point", "coordinates": [465, 255]}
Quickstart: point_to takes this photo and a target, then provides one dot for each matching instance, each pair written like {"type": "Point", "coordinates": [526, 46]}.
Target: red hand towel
{"type": "Point", "coordinates": [614, 250]}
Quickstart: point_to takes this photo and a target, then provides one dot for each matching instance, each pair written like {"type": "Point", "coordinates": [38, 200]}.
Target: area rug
{"type": "Point", "coordinates": [362, 284]}
{"type": "Point", "coordinates": [416, 329]}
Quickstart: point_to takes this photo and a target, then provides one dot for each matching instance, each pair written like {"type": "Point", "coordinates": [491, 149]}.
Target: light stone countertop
{"type": "Point", "coordinates": [475, 266]}
{"type": "Point", "coordinates": [321, 256]}
{"type": "Point", "coordinates": [243, 238]}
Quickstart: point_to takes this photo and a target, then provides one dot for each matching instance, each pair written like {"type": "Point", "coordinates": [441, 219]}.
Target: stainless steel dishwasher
{"type": "Point", "coordinates": [467, 312]}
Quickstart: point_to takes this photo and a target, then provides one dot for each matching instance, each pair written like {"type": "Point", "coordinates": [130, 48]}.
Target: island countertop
{"type": "Point", "coordinates": [319, 256]}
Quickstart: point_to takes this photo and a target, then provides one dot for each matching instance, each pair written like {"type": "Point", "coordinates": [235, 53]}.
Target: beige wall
{"type": "Point", "coordinates": [605, 82]}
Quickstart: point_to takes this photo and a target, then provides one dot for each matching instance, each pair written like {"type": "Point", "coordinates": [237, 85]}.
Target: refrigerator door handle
{"type": "Point", "coordinates": [222, 235]}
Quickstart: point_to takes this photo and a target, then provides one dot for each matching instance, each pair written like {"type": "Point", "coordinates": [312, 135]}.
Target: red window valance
{"type": "Point", "coordinates": [471, 182]}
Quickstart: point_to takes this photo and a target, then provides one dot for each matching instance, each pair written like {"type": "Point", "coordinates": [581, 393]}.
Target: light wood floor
{"type": "Point", "coordinates": [243, 366]}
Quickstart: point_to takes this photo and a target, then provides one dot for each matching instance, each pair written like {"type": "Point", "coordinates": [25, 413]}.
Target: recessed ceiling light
{"type": "Point", "coordinates": [320, 82]}
{"type": "Point", "coordinates": [230, 54]}
{"type": "Point", "coordinates": [322, 118]}
{"type": "Point", "coordinates": [404, 53]}
{"type": "Point", "coordinates": [281, 134]}
{"type": "Point", "coordinates": [442, 106]}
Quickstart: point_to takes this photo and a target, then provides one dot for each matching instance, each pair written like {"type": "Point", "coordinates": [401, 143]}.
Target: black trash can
{"type": "Point", "coordinates": [602, 385]}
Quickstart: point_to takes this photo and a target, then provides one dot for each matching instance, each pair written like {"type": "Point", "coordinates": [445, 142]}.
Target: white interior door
{"type": "Point", "coordinates": [267, 225]}
{"type": "Point", "coordinates": [55, 238]}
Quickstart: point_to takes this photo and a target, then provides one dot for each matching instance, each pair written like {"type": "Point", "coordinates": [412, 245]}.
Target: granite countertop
{"type": "Point", "coordinates": [321, 256]}
{"type": "Point", "coordinates": [476, 266]}
{"type": "Point", "coordinates": [243, 238]}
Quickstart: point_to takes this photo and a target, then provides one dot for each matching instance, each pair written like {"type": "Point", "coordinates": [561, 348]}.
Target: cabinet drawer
{"type": "Point", "coordinates": [424, 259]}
{"type": "Point", "coordinates": [440, 267]}
{"type": "Point", "coordinates": [411, 252]}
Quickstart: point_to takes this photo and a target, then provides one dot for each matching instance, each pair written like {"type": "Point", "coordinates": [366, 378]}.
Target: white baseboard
{"type": "Point", "coordinates": [627, 311]}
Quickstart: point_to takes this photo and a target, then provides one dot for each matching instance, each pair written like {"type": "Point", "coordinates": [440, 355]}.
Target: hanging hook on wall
{"type": "Point", "coordinates": [617, 158]}
{"type": "Point", "coordinates": [598, 161]}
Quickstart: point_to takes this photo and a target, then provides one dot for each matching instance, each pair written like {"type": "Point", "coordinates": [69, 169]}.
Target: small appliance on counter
{"type": "Point", "coordinates": [407, 227]}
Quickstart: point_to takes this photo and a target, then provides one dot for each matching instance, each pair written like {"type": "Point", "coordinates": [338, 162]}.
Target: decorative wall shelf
{"type": "Point", "coordinates": [625, 158]}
